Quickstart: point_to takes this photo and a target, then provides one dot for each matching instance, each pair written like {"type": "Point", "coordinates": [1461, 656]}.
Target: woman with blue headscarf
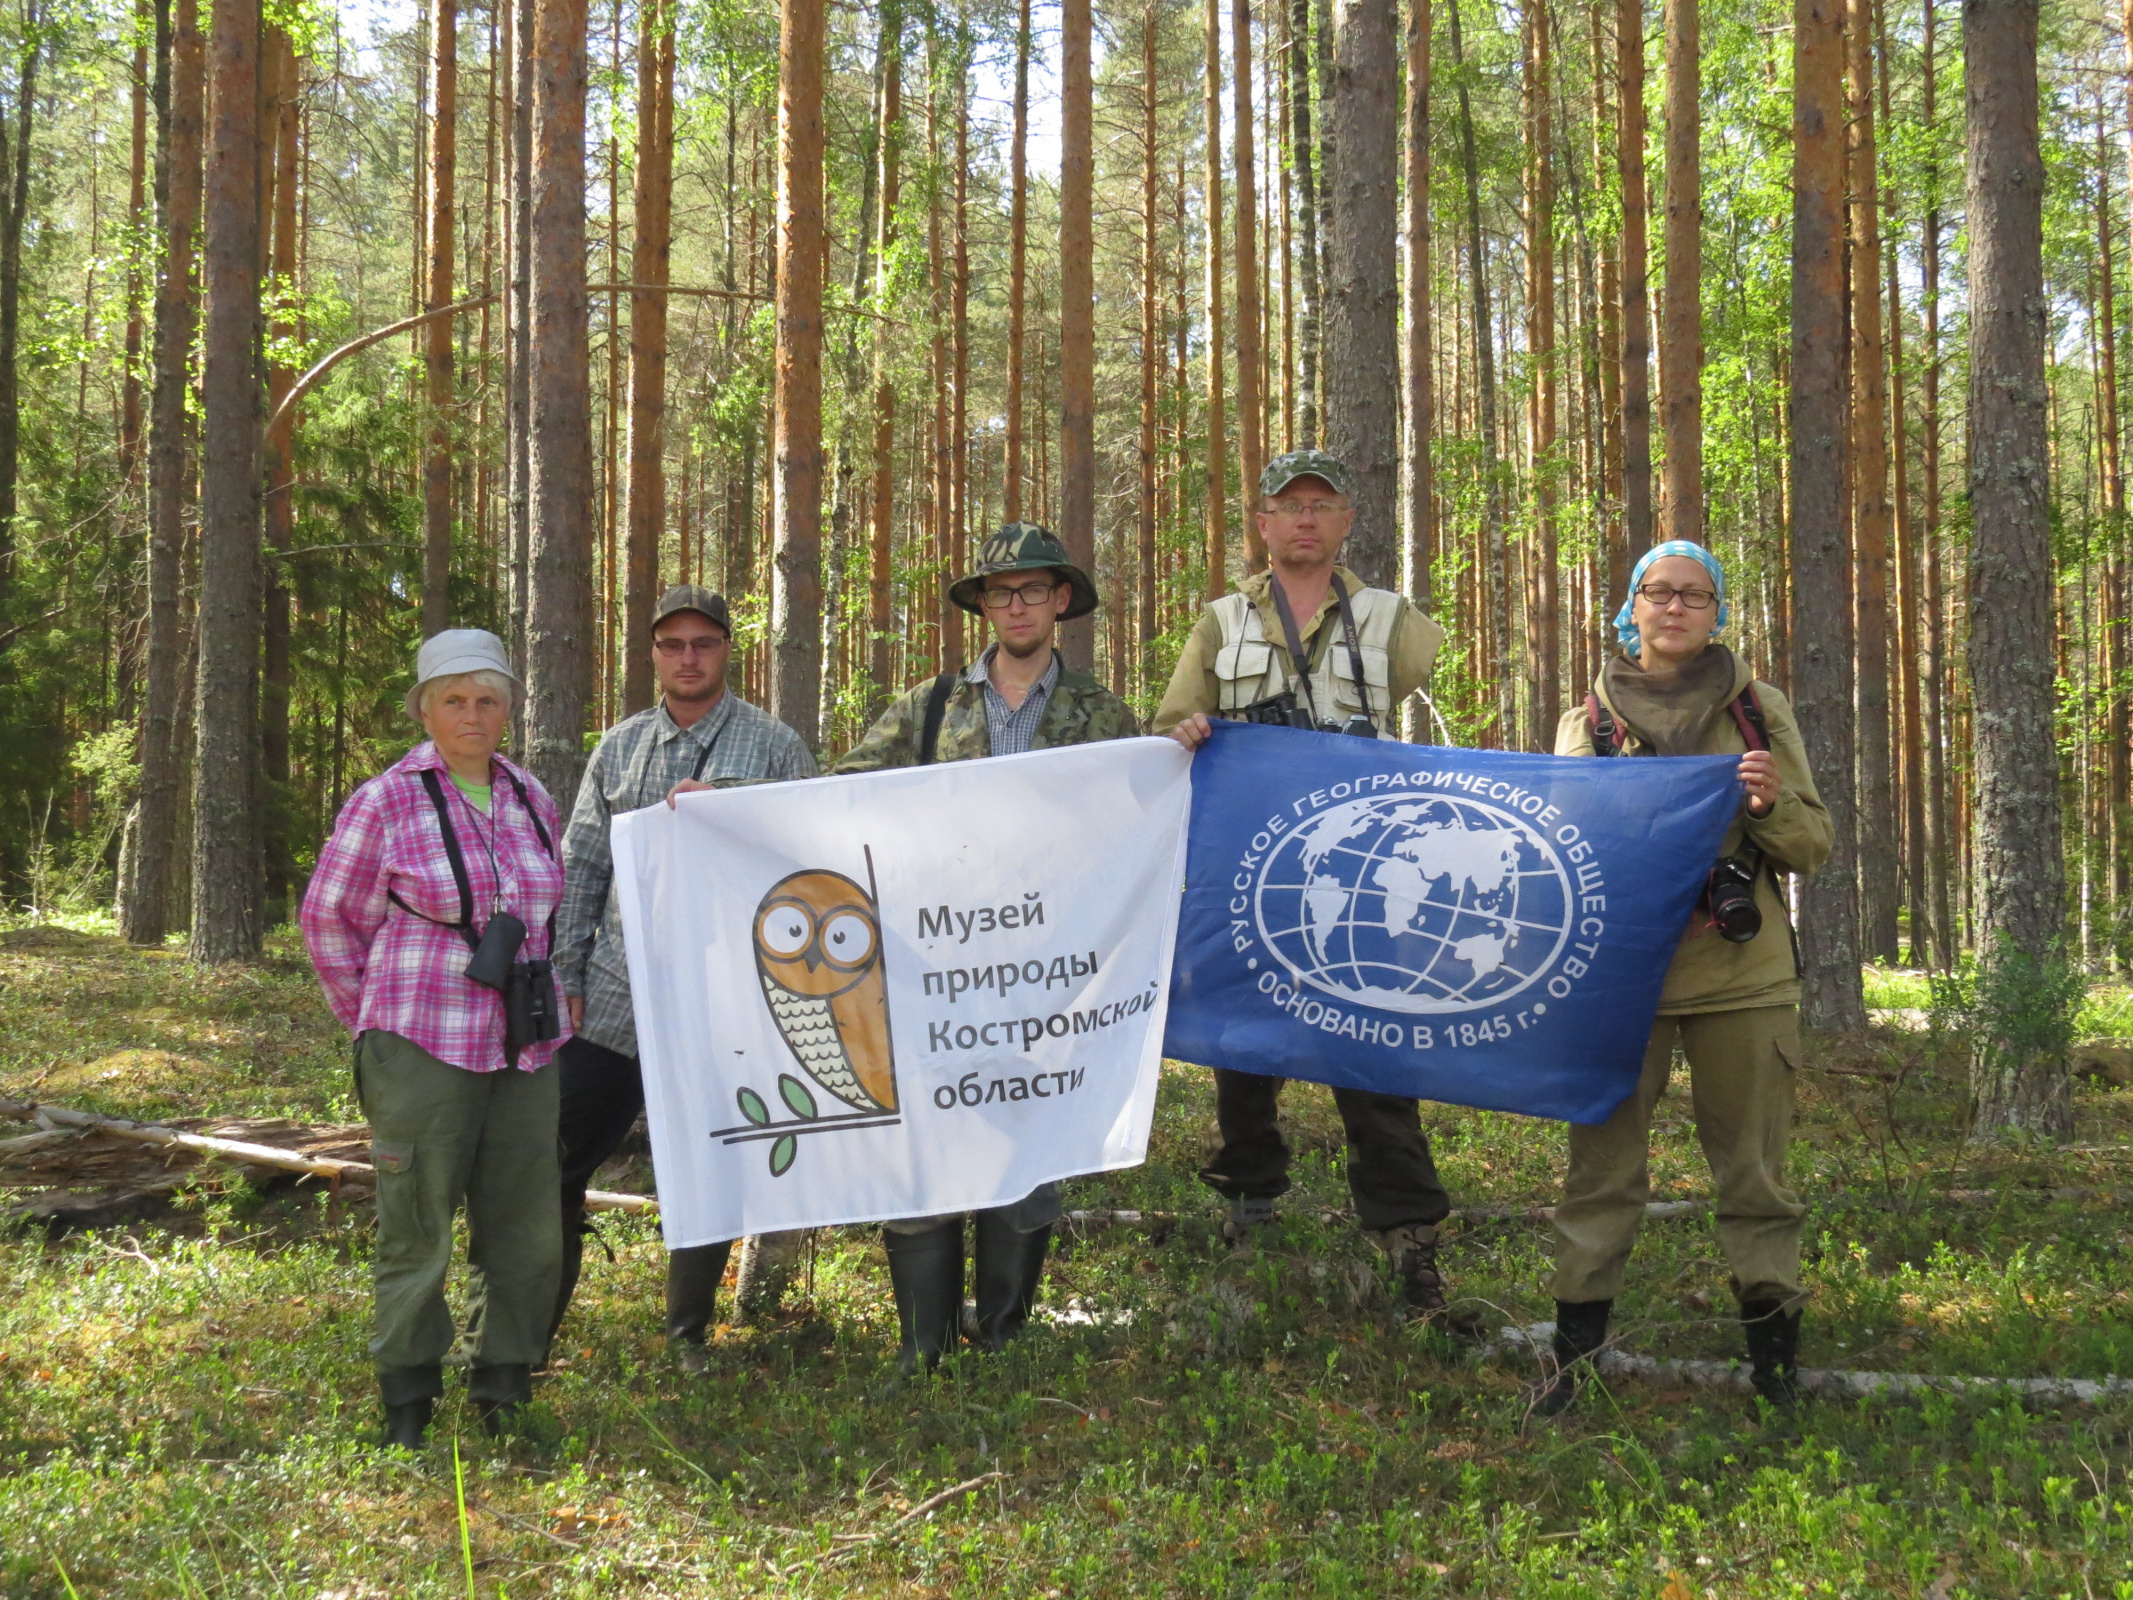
{"type": "Point", "coordinates": [1731, 998]}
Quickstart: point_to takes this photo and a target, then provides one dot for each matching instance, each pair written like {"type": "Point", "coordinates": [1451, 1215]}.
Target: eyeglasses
{"type": "Point", "coordinates": [1031, 594]}
{"type": "Point", "coordinates": [1663, 595]}
{"type": "Point", "coordinates": [1309, 508]}
{"type": "Point", "coordinates": [674, 649]}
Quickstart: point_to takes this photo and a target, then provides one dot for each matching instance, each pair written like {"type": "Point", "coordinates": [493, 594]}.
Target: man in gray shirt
{"type": "Point", "coordinates": [699, 730]}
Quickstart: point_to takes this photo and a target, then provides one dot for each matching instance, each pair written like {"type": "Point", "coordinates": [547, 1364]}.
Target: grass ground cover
{"type": "Point", "coordinates": [186, 1410]}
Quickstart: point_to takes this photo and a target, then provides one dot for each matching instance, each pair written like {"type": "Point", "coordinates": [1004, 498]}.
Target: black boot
{"type": "Point", "coordinates": [1009, 1266]}
{"type": "Point", "coordinates": [926, 1270]}
{"type": "Point", "coordinates": [499, 1391]}
{"type": "Point", "coordinates": [1580, 1332]}
{"type": "Point", "coordinates": [1412, 1248]}
{"type": "Point", "coordinates": [406, 1423]}
{"type": "Point", "coordinates": [575, 1227]}
{"type": "Point", "coordinates": [1773, 1349]}
{"type": "Point", "coordinates": [693, 1277]}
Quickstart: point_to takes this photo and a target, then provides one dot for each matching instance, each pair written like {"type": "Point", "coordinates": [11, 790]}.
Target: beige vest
{"type": "Point", "coordinates": [1249, 666]}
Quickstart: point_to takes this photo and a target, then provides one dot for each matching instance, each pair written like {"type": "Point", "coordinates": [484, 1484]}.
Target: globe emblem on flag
{"type": "Point", "coordinates": [1415, 905]}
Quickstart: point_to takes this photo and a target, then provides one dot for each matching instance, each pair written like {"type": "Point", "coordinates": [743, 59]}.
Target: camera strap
{"type": "Point", "coordinates": [1355, 646]}
{"type": "Point", "coordinates": [1298, 658]}
{"type": "Point", "coordinates": [464, 927]}
{"type": "Point", "coordinates": [1301, 658]}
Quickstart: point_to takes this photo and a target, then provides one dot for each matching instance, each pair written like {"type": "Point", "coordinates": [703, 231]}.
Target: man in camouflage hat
{"type": "Point", "coordinates": [1307, 642]}
{"type": "Point", "coordinates": [1016, 696]}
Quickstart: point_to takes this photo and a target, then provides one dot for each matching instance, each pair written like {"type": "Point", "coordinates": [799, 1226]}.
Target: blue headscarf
{"type": "Point", "coordinates": [1626, 629]}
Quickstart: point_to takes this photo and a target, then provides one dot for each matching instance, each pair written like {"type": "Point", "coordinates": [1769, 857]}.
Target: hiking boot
{"type": "Point", "coordinates": [406, 1423]}
{"type": "Point", "coordinates": [1412, 1248]}
{"type": "Point", "coordinates": [1246, 1214]}
{"type": "Point", "coordinates": [1580, 1334]}
{"type": "Point", "coordinates": [1773, 1350]}
{"type": "Point", "coordinates": [691, 1355]}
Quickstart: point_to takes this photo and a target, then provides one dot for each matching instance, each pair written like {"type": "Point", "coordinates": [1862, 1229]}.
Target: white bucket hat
{"type": "Point", "coordinates": [453, 654]}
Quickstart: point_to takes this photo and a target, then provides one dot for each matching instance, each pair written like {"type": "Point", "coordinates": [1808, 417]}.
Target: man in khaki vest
{"type": "Point", "coordinates": [1309, 643]}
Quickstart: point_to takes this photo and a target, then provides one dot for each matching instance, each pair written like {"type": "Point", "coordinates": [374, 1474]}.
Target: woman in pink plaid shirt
{"type": "Point", "coordinates": [442, 864]}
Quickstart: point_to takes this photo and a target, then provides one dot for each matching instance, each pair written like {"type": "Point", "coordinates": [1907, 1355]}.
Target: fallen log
{"type": "Point", "coordinates": [333, 1168]}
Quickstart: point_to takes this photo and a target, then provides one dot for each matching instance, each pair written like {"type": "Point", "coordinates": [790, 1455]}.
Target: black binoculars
{"type": "Point", "coordinates": [1283, 711]}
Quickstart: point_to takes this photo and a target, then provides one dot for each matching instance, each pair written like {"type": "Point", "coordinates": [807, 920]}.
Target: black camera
{"type": "Point", "coordinates": [1732, 896]}
{"type": "Point", "coordinates": [493, 958]}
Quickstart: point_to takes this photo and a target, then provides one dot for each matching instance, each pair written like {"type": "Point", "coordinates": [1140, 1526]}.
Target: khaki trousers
{"type": "Point", "coordinates": [1740, 1086]}
{"type": "Point", "coordinates": [442, 1137]}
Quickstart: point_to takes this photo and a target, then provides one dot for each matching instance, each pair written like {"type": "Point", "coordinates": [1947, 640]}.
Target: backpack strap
{"type": "Point", "coordinates": [1747, 711]}
{"type": "Point", "coordinates": [1606, 732]}
{"type": "Point", "coordinates": [929, 734]}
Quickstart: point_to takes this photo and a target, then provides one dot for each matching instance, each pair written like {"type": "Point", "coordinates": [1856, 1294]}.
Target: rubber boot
{"type": "Point", "coordinates": [499, 1391]}
{"type": "Point", "coordinates": [410, 1395]}
{"type": "Point", "coordinates": [926, 1270]}
{"type": "Point", "coordinates": [693, 1277]}
{"type": "Point", "coordinates": [1580, 1332]}
{"type": "Point", "coordinates": [1773, 1349]}
{"type": "Point", "coordinates": [1009, 1266]}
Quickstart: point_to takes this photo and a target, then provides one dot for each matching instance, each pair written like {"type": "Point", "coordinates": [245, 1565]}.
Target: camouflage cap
{"type": "Point", "coordinates": [1025, 547]}
{"type": "Point", "coordinates": [692, 597]}
{"type": "Point", "coordinates": [1285, 469]}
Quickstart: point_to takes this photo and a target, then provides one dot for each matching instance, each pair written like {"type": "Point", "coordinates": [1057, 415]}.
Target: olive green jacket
{"type": "Point", "coordinates": [1080, 711]}
{"type": "Point", "coordinates": [1195, 688]}
{"type": "Point", "coordinates": [1708, 974]}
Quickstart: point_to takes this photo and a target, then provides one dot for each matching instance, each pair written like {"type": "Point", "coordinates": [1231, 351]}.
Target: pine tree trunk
{"type": "Point", "coordinates": [959, 322]}
{"type": "Point", "coordinates": [2019, 1070]}
{"type": "Point", "coordinates": [1545, 627]}
{"type": "Point", "coordinates": [1217, 513]}
{"type": "Point", "coordinates": [1300, 149]}
{"type": "Point", "coordinates": [1151, 341]}
{"type": "Point", "coordinates": [138, 219]}
{"type": "Point", "coordinates": [1017, 268]}
{"type": "Point", "coordinates": [560, 642]}
{"type": "Point", "coordinates": [1363, 293]}
{"type": "Point", "coordinates": [1248, 397]}
{"type": "Point", "coordinates": [1681, 317]}
{"type": "Point", "coordinates": [277, 679]}
{"type": "Point", "coordinates": [1418, 484]}
{"type": "Point", "coordinates": [1821, 543]}
{"type": "Point", "coordinates": [652, 245]}
{"type": "Point", "coordinates": [437, 332]}
{"type": "Point", "coordinates": [518, 329]}
{"type": "Point", "coordinates": [14, 216]}
{"type": "Point", "coordinates": [1940, 842]}
{"type": "Point", "coordinates": [1878, 880]}
{"type": "Point", "coordinates": [1908, 570]}
{"type": "Point", "coordinates": [1615, 566]}
{"type": "Point", "coordinates": [889, 141]}
{"type": "Point", "coordinates": [1077, 316]}
{"type": "Point", "coordinates": [1636, 284]}
{"type": "Point", "coordinates": [796, 596]}
{"type": "Point", "coordinates": [145, 906]}
{"type": "Point", "coordinates": [226, 839]}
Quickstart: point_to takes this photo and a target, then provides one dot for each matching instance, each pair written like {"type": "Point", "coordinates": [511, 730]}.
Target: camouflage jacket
{"type": "Point", "coordinates": [1081, 711]}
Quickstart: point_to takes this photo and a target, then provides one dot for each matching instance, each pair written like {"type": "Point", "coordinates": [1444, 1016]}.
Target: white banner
{"type": "Point", "coordinates": [902, 993]}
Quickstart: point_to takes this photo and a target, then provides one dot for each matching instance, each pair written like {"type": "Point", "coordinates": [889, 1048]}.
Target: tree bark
{"type": "Point", "coordinates": [1217, 515]}
{"type": "Point", "coordinates": [277, 677]}
{"type": "Point", "coordinates": [1300, 150]}
{"type": "Point", "coordinates": [1248, 397]}
{"type": "Point", "coordinates": [1363, 293]}
{"type": "Point", "coordinates": [1940, 842]}
{"type": "Point", "coordinates": [1544, 630]}
{"type": "Point", "coordinates": [138, 220]}
{"type": "Point", "coordinates": [1681, 316]}
{"type": "Point", "coordinates": [1418, 485]}
{"type": "Point", "coordinates": [1615, 567]}
{"type": "Point", "coordinates": [652, 247]}
{"type": "Point", "coordinates": [1151, 341]}
{"type": "Point", "coordinates": [145, 907]}
{"type": "Point", "coordinates": [1017, 267]}
{"type": "Point", "coordinates": [14, 215]}
{"type": "Point", "coordinates": [1077, 316]}
{"type": "Point", "coordinates": [437, 334]}
{"type": "Point", "coordinates": [560, 642]}
{"type": "Point", "coordinates": [2018, 1070]}
{"type": "Point", "coordinates": [226, 839]}
{"type": "Point", "coordinates": [1821, 543]}
{"type": "Point", "coordinates": [1878, 866]}
{"type": "Point", "coordinates": [1636, 284]}
{"type": "Point", "coordinates": [796, 594]}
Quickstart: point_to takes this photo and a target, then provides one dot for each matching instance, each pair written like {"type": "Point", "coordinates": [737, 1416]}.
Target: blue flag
{"type": "Point", "coordinates": [1472, 926]}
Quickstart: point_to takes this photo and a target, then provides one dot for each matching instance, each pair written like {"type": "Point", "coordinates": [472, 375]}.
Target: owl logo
{"type": "Point", "coordinates": [817, 939]}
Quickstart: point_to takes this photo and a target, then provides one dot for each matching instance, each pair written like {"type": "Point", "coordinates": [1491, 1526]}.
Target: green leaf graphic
{"type": "Point", "coordinates": [781, 1155]}
{"type": "Point", "coordinates": [753, 1109]}
{"type": "Point", "coordinates": [796, 1095]}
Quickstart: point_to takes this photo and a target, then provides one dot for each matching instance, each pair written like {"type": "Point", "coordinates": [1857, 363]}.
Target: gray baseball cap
{"type": "Point", "coordinates": [454, 653]}
{"type": "Point", "coordinates": [1286, 468]}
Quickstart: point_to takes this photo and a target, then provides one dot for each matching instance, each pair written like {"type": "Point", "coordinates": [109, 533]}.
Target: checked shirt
{"type": "Point", "coordinates": [381, 967]}
{"type": "Point", "coordinates": [638, 761]}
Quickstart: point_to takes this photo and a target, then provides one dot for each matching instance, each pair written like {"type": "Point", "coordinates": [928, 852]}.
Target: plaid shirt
{"type": "Point", "coordinates": [383, 968]}
{"type": "Point", "coordinates": [1012, 727]}
{"type": "Point", "coordinates": [638, 761]}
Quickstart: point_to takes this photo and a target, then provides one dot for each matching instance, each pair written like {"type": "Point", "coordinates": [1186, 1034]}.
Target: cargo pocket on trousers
{"type": "Point", "coordinates": [400, 1210]}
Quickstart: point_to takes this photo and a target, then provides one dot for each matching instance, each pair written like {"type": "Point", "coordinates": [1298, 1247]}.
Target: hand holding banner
{"type": "Point", "coordinates": [1478, 927]}
{"type": "Point", "coordinates": [901, 993]}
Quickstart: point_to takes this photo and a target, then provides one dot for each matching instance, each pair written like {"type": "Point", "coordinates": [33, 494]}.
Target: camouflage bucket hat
{"type": "Point", "coordinates": [1025, 547]}
{"type": "Point", "coordinates": [1284, 470]}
